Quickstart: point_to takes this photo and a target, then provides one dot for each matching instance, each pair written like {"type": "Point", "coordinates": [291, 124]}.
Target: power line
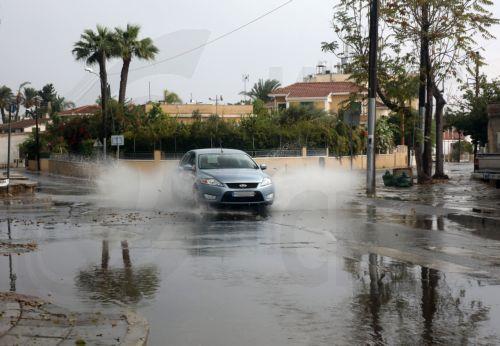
{"type": "Point", "coordinates": [215, 39]}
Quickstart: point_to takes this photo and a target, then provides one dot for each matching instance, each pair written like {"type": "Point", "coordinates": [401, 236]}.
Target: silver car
{"type": "Point", "coordinates": [223, 177]}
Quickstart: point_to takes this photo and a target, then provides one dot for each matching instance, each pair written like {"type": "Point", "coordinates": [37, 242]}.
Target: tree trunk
{"type": "Point", "coordinates": [123, 81]}
{"type": "Point", "coordinates": [402, 127]}
{"type": "Point", "coordinates": [16, 116]}
{"type": "Point", "coordinates": [440, 104]}
{"type": "Point", "coordinates": [425, 101]}
{"type": "Point", "coordinates": [104, 95]}
{"type": "Point", "coordinates": [4, 118]}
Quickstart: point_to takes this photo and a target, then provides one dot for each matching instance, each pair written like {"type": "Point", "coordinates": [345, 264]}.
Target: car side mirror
{"type": "Point", "coordinates": [263, 166]}
{"type": "Point", "coordinates": [188, 168]}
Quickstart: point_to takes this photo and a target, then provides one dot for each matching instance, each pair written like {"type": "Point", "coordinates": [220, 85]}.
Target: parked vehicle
{"type": "Point", "coordinates": [223, 177]}
{"type": "Point", "coordinates": [487, 168]}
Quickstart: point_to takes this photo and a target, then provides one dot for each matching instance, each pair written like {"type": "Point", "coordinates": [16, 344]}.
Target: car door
{"type": "Point", "coordinates": [187, 174]}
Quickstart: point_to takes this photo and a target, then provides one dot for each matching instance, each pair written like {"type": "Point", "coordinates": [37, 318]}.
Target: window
{"type": "Point", "coordinates": [226, 161]}
{"type": "Point", "coordinates": [186, 159]}
{"type": "Point", "coordinates": [307, 104]}
{"type": "Point", "coordinates": [191, 159]}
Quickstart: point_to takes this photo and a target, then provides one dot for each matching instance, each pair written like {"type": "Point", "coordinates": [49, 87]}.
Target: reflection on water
{"type": "Point", "coordinates": [128, 284]}
{"type": "Point", "coordinates": [391, 307]}
{"type": "Point", "coordinates": [12, 275]}
{"type": "Point", "coordinates": [430, 279]}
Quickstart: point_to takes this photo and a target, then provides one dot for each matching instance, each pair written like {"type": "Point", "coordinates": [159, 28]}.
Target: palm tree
{"type": "Point", "coordinates": [61, 104]}
{"type": "Point", "coordinates": [30, 98]}
{"type": "Point", "coordinates": [6, 98]}
{"type": "Point", "coordinates": [171, 97]}
{"type": "Point", "coordinates": [262, 89]}
{"type": "Point", "coordinates": [19, 99]}
{"type": "Point", "coordinates": [96, 47]}
{"type": "Point", "coordinates": [129, 46]}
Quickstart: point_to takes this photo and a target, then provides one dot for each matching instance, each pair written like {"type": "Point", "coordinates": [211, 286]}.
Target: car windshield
{"type": "Point", "coordinates": [226, 161]}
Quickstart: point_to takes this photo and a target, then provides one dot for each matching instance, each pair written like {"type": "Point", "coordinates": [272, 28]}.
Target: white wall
{"type": "Point", "coordinates": [16, 140]}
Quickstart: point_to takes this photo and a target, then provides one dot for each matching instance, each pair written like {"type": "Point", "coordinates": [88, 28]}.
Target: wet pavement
{"type": "Point", "coordinates": [396, 269]}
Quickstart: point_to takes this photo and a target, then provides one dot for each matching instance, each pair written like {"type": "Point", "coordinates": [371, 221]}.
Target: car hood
{"type": "Point", "coordinates": [235, 175]}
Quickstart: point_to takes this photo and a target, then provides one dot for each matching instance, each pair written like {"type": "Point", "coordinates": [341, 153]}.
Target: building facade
{"type": "Point", "coordinates": [328, 96]}
{"type": "Point", "coordinates": [186, 112]}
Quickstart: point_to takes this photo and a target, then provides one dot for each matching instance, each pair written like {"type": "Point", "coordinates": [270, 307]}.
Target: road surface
{"type": "Point", "coordinates": [402, 268]}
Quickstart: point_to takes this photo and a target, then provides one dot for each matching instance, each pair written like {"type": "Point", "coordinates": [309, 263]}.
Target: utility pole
{"type": "Point", "coordinates": [372, 92]}
{"type": "Point", "coordinates": [422, 96]}
{"type": "Point", "coordinates": [37, 139]}
{"type": "Point", "coordinates": [8, 146]}
{"type": "Point", "coordinates": [216, 99]}
{"type": "Point", "coordinates": [245, 78]}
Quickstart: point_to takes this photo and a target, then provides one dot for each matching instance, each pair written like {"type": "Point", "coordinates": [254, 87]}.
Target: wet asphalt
{"type": "Point", "coordinates": [409, 267]}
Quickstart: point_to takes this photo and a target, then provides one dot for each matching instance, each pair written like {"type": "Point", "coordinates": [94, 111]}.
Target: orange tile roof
{"type": "Point", "coordinates": [322, 89]}
{"type": "Point", "coordinates": [83, 110]}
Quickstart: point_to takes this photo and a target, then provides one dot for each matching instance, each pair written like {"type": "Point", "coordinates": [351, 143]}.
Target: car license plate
{"type": "Point", "coordinates": [243, 194]}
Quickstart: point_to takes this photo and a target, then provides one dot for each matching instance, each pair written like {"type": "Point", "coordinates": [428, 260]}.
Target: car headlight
{"type": "Point", "coordinates": [266, 182]}
{"type": "Point", "coordinates": [211, 182]}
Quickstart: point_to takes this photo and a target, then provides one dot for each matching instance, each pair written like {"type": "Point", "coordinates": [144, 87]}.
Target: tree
{"type": "Point", "coordinates": [61, 104]}
{"type": "Point", "coordinates": [6, 98]}
{"type": "Point", "coordinates": [31, 98]}
{"type": "Point", "coordinates": [19, 99]}
{"type": "Point", "coordinates": [48, 96]}
{"type": "Point", "coordinates": [447, 30]}
{"type": "Point", "coordinates": [127, 47]}
{"type": "Point", "coordinates": [397, 78]}
{"type": "Point", "coordinates": [384, 131]}
{"type": "Point", "coordinates": [444, 29]}
{"type": "Point", "coordinates": [470, 118]}
{"type": "Point", "coordinates": [171, 97]}
{"type": "Point", "coordinates": [96, 47]}
{"type": "Point", "coordinates": [262, 89]}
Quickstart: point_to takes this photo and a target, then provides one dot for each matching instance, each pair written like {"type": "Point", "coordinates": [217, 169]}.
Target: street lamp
{"type": "Point", "coordinates": [105, 115]}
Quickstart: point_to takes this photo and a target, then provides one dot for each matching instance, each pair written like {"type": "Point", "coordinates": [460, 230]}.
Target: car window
{"type": "Point", "coordinates": [191, 159]}
{"type": "Point", "coordinates": [184, 159]}
{"type": "Point", "coordinates": [226, 161]}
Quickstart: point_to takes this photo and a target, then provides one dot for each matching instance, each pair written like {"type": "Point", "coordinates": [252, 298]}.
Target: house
{"type": "Point", "coordinates": [184, 112]}
{"type": "Point", "coordinates": [82, 111]}
{"type": "Point", "coordinates": [20, 131]}
{"type": "Point", "coordinates": [24, 126]}
{"type": "Point", "coordinates": [325, 91]}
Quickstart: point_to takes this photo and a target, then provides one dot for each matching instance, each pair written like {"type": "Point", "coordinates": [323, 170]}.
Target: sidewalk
{"type": "Point", "coordinates": [26, 320]}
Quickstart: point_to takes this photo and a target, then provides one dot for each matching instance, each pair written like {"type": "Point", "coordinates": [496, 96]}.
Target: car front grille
{"type": "Point", "coordinates": [229, 198]}
{"type": "Point", "coordinates": [242, 185]}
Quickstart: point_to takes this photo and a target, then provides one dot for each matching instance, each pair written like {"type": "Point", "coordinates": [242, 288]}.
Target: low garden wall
{"type": "Point", "coordinates": [89, 170]}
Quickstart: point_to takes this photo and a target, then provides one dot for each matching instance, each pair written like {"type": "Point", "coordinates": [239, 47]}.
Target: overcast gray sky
{"type": "Point", "coordinates": [36, 38]}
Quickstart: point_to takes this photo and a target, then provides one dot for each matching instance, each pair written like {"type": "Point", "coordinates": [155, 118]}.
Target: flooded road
{"type": "Point", "coordinates": [385, 271]}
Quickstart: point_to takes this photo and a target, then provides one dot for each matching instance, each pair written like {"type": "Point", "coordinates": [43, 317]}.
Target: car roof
{"type": "Point", "coordinates": [217, 151]}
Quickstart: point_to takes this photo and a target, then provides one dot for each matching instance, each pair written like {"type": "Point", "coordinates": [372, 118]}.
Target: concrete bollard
{"type": "Point", "coordinates": [304, 151]}
{"type": "Point", "coordinates": [157, 156]}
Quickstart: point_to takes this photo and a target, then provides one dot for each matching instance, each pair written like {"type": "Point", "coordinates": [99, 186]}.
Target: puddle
{"type": "Point", "coordinates": [226, 281]}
